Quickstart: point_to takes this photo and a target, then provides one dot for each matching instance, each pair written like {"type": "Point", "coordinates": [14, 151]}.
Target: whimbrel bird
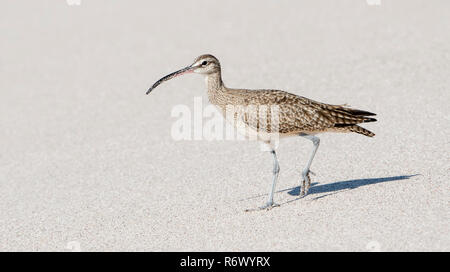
{"type": "Point", "coordinates": [296, 115]}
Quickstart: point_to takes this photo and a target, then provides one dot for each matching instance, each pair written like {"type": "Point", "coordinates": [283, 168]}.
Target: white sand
{"type": "Point", "coordinates": [86, 159]}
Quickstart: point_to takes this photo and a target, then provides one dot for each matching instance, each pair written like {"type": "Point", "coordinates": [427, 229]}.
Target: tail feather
{"type": "Point", "coordinates": [361, 130]}
{"type": "Point", "coordinates": [357, 112]}
{"type": "Point", "coordinates": [344, 118]}
{"type": "Point", "coordinates": [347, 116]}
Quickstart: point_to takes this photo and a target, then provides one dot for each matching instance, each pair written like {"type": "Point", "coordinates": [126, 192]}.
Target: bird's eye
{"type": "Point", "coordinates": [204, 63]}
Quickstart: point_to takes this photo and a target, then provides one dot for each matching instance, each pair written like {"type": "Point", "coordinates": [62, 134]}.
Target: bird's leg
{"type": "Point", "coordinates": [276, 171]}
{"type": "Point", "coordinates": [306, 179]}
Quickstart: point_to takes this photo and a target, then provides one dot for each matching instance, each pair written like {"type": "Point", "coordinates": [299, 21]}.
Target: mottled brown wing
{"type": "Point", "coordinates": [296, 114]}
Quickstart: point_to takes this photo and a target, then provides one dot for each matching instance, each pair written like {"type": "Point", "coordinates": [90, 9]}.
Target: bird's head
{"type": "Point", "coordinates": [204, 64]}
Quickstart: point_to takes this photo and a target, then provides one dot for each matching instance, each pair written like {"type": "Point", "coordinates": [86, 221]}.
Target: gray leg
{"type": "Point", "coordinates": [306, 180]}
{"type": "Point", "coordinates": [276, 171]}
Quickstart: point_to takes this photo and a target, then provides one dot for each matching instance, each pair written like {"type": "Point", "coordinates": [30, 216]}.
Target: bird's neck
{"type": "Point", "coordinates": [216, 88]}
{"type": "Point", "coordinates": [214, 81]}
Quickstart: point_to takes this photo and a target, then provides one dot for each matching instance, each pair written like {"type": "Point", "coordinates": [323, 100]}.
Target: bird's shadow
{"type": "Point", "coordinates": [336, 187]}
{"type": "Point", "coordinates": [347, 184]}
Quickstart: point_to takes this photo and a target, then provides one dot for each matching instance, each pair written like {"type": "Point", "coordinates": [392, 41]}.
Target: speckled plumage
{"type": "Point", "coordinates": [296, 114]}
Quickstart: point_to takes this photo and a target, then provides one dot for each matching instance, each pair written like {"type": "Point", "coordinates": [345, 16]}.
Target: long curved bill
{"type": "Point", "coordinates": [183, 71]}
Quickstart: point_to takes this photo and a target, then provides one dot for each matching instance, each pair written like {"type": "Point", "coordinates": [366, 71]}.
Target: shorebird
{"type": "Point", "coordinates": [296, 115]}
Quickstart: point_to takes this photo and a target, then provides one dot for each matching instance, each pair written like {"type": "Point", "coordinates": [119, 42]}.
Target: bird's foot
{"type": "Point", "coordinates": [306, 182]}
{"type": "Point", "coordinates": [267, 206]}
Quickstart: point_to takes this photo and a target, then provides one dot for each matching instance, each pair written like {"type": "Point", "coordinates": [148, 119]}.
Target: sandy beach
{"type": "Point", "coordinates": [88, 162]}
